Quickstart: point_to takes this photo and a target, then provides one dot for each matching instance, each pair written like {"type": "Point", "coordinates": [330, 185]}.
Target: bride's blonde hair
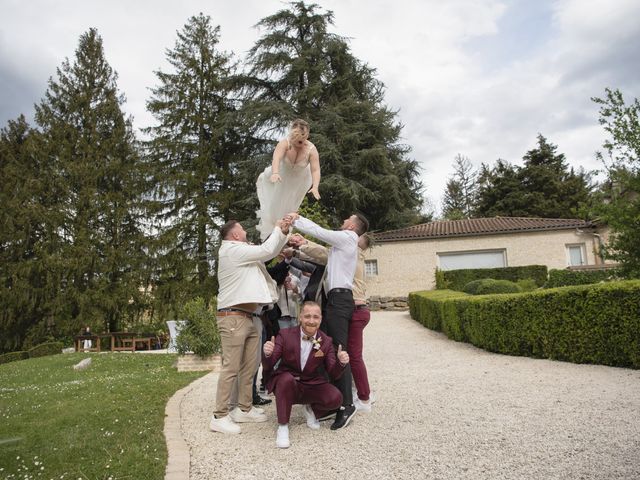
{"type": "Point", "coordinates": [299, 130]}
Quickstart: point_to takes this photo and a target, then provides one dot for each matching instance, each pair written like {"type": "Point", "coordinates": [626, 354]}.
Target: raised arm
{"type": "Point", "coordinates": [336, 238]}
{"type": "Point", "coordinates": [314, 164]}
{"type": "Point", "coordinates": [319, 253]}
{"type": "Point", "coordinates": [278, 154]}
{"type": "Point", "coordinates": [245, 253]}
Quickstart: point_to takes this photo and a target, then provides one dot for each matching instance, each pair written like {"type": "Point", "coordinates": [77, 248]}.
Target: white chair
{"type": "Point", "coordinates": [174, 331]}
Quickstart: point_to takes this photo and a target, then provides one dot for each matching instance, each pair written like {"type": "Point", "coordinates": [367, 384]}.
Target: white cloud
{"type": "Point", "coordinates": [480, 78]}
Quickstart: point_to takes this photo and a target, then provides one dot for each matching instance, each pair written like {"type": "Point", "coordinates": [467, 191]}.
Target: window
{"type": "Point", "coordinates": [477, 259]}
{"type": "Point", "coordinates": [576, 254]}
{"type": "Point", "coordinates": [371, 268]}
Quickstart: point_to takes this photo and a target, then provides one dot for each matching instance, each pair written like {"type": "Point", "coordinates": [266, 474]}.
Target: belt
{"type": "Point", "coordinates": [364, 305]}
{"type": "Point", "coordinates": [232, 312]}
{"type": "Point", "coordinates": [340, 290]}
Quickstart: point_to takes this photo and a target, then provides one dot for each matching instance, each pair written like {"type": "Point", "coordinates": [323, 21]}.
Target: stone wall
{"type": "Point", "coordinates": [376, 302]}
{"type": "Point", "coordinates": [194, 363]}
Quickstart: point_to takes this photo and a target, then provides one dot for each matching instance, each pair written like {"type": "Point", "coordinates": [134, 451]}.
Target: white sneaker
{"type": "Point", "coordinates": [361, 406]}
{"type": "Point", "coordinates": [257, 409]}
{"type": "Point", "coordinates": [282, 437]}
{"type": "Point", "coordinates": [312, 422]}
{"type": "Point", "coordinates": [252, 416]}
{"type": "Point", "coordinates": [224, 425]}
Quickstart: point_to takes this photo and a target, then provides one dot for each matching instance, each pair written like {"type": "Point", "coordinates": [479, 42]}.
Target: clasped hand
{"type": "Point", "coordinates": [343, 357]}
{"type": "Point", "coordinates": [268, 347]}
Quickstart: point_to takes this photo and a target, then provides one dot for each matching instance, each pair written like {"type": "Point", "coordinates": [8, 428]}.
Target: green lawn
{"type": "Point", "coordinates": [104, 422]}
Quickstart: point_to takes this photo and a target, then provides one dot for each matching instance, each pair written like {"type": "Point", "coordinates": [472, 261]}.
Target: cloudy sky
{"type": "Point", "coordinates": [479, 78]}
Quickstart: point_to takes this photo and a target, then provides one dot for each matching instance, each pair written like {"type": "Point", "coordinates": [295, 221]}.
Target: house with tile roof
{"type": "Point", "coordinates": [406, 259]}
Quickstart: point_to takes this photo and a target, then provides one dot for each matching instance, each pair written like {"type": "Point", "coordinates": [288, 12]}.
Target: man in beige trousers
{"type": "Point", "coordinates": [244, 287]}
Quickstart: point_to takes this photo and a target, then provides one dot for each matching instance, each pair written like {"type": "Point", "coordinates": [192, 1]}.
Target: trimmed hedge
{"type": "Point", "coordinates": [457, 279]}
{"type": "Point", "coordinates": [582, 324]}
{"type": "Point", "coordinates": [46, 349]}
{"type": "Point", "coordinates": [13, 357]}
{"type": "Point", "coordinates": [487, 286]}
{"type": "Point", "coordinates": [562, 278]}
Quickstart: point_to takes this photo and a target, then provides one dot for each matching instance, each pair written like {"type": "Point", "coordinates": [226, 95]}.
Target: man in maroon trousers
{"type": "Point", "coordinates": [305, 353]}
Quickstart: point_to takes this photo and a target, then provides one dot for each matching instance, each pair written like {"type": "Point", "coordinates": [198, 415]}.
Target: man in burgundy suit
{"type": "Point", "coordinates": [299, 378]}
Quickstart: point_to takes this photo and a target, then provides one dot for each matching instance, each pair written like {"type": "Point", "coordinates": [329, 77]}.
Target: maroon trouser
{"type": "Point", "coordinates": [359, 320]}
{"type": "Point", "coordinates": [323, 397]}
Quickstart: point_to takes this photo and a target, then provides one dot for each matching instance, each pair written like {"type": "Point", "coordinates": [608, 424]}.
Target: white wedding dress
{"type": "Point", "coordinates": [278, 199]}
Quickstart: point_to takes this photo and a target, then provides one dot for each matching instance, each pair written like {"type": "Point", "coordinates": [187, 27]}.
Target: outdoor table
{"type": "Point", "coordinates": [95, 343]}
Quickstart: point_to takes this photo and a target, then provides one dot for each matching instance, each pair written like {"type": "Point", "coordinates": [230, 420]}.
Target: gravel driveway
{"type": "Point", "coordinates": [444, 410]}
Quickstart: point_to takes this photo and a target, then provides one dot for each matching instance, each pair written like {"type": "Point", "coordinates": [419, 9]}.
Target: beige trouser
{"type": "Point", "coordinates": [240, 342]}
{"type": "Point", "coordinates": [233, 401]}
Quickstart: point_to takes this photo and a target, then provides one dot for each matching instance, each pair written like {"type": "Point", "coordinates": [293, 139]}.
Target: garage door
{"type": "Point", "coordinates": [479, 259]}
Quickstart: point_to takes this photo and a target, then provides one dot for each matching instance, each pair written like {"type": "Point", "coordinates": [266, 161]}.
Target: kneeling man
{"type": "Point", "coordinates": [299, 379]}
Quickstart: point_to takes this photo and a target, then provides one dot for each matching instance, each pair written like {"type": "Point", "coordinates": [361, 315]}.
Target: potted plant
{"type": "Point", "coordinates": [198, 341]}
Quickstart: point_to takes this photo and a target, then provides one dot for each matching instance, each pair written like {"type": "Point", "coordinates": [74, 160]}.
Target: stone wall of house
{"type": "Point", "coordinates": [410, 266]}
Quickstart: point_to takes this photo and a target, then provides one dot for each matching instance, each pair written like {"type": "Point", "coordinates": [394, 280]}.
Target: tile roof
{"type": "Point", "coordinates": [479, 226]}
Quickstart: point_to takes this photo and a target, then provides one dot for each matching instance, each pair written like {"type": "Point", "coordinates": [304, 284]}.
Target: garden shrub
{"type": "Point", "coordinates": [527, 284]}
{"type": "Point", "coordinates": [13, 357]}
{"type": "Point", "coordinates": [488, 286]}
{"type": "Point", "coordinates": [45, 349]}
{"type": "Point", "coordinates": [200, 332]}
{"type": "Point", "coordinates": [562, 278]}
{"type": "Point", "coordinates": [457, 279]}
{"type": "Point", "coordinates": [596, 323]}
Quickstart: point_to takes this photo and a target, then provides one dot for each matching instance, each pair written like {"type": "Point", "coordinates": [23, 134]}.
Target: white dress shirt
{"type": "Point", "coordinates": [343, 256]}
{"type": "Point", "coordinates": [305, 349]}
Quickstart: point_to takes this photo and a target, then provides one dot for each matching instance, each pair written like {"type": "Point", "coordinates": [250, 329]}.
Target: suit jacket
{"type": "Point", "coordinates": [287, 350]}
{"type": "Point", "coordinates": [242, 276]}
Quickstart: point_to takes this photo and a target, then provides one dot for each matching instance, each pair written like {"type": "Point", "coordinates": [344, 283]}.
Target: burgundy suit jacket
{"type": "Point", "coordinates": [287, 350]}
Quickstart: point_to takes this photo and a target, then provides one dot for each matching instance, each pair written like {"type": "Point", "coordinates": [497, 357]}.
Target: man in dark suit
{"type": "Point", "coordinates": [305, 353]}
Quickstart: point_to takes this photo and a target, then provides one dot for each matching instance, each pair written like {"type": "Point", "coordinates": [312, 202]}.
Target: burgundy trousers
{"type": "Point", "coordinates": [323, 398]}
{"type": "Point", "coordinates": [359, 320]}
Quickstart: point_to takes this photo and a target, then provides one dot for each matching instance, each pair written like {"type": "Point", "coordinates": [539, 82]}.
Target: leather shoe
{"type": "Point", "coordinates": [343, 417]}
{"type": "Point", "coordinates": [259, 401]}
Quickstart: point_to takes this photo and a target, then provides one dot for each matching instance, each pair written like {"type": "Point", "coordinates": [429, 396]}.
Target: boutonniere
{"type": "Point", "coordinates": [316, 343]}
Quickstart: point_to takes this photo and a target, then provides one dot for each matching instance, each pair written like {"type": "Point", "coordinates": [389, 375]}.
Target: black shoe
{"type": "Point", "coordinates": [343, 417]}
{"type": "Point", "coordinates": [328, 416]}
{"type": "Point", "coordinates": [259, 401]}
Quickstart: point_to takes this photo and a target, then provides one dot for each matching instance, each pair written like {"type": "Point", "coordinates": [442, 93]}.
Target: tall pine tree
{"type": "Point", "coordinates": [193, 157]}
{"type": "Point", "coordinates": [90, 149]}
{"type": "Point", "coordinates": [28, 280]}
{"type": "Point", "coordinates": [460, 195]}
{"type": "Point", "coordinates": [299, 69]}
{"type": "Point", "coordinates": [543, 187]}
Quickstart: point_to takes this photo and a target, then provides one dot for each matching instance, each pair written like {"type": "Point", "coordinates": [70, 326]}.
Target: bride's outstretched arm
{"type": "Point", "coordinates": [278, 154]}
{"type": "Point", "coordinates": [314, 164]}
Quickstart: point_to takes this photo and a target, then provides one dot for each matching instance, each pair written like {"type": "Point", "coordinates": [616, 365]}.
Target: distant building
{"type": "Point", "coordinates": [405, 260]}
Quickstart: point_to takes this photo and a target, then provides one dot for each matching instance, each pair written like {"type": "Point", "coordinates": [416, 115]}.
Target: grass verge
{"type": "Point", "coordinates": [104, 422]}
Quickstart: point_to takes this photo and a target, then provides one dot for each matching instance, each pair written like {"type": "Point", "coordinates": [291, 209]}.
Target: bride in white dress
{"type": "Point", "coordinates": [294, 172]}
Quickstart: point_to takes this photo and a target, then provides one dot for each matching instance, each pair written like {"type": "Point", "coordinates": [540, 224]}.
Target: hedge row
{"type": "Point", "coordinates": [583, 324]}
{"type": "Point", "coordinates": [13, 357]}
{"type": "Point", "coordinates": [561, 278]}
{"type": "Point", "coordinates": [457, 279]}
{"type": "Point", "coordinates": [42, 350]}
